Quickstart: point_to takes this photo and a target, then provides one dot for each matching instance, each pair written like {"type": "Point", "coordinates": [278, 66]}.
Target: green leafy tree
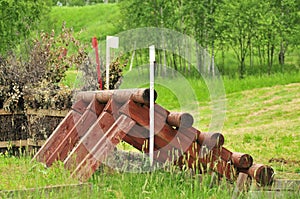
{"type": "Point", "coordinates": [237, 20]}
{"type": "Point", "coordinates": [287, 14]}
{"type": "Point", "coordinates": [17, 19]}
{"type": "Point", "coordinates": [275, 30]}
{"type": "Point", "coordinates": [253, 29]}
{"type": "Point", "coordinates": [203, 23]}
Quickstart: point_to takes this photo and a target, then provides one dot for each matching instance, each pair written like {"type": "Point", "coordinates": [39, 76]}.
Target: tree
{"type": "Point", "coordinates": [17, 19]}
{"type": "Point", "coordinates": [251, 28]}
{"type": "Point", "coordinates": [287, 16]}
{"type": "Point", "coordinates": [275, 30]}
{"type": "Point", "coordinates": [235, 20]}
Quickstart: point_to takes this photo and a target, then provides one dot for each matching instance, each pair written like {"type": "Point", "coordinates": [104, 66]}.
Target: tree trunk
{"type": "Point", "coordinates": [259, 56]}
{"type": "Point", "coordinates": [269, 58]}
{"type": "Point", "coordinates": [137, 58]}
{"type": "Point", "coordinates": [223, 60]}
{"type": "Point", "coordinates": [179, 57]}
{"type": "Point", "coordinates": [242, 68]}
{"type": "Point", "coordinates": [281, 55]}
{"type": "Point", "coordinates": [174, 62]}
{"type": "Point", "coordinates": [132, 57]}
{"type": "Point", "coordinates": [263, 55]}
{"type": "Point", "coordinates": [251, 55]}
{"type": "Point", "coordinates": [242, 59]}
{"type": "Point", "coordinates": [212, 68]}
{"type": "Point", "coordinates": [164, 64]}
{"type": "Point", "coordinates": [271, 48]}
{"type": "Point", "coordinates": [199, 58]}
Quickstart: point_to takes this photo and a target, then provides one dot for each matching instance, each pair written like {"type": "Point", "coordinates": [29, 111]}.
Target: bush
{"type": "Point", "coordinates": [35, 82]}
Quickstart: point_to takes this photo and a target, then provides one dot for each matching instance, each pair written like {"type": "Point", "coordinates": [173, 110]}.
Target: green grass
{"type": "Point", "coordinates": [168, 87]}
{"type": "Point", "coordinates": [164, 183]}
{"type": "Point", "coordinates": [101, 20]}
{"type": "Point", "coordinates": [159, 184]}
{"type": "Point", "coordinates": [270, 118]}
{"type": "Point", "coordinates": [72, 79]}
{"type": "Point", "coordinates": [87, 21]}
{"type": "Point", "coordinates": [262, 115]}
{"type": "Point", "coordinates": [262, 121]}
{"type": "Point", "coordinates": [20, 173]}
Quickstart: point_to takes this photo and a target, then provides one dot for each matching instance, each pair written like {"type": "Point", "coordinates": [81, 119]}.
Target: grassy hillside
{"type": "Point", "coordinates": [262, 117]}
{"type": "Point", "coordinates": [265, 123]}
{"type": "Point", "coordinates": [96, 20]}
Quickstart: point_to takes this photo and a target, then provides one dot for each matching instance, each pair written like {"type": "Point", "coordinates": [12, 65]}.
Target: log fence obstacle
{"type": "Point", "coordinates": [99, 120]}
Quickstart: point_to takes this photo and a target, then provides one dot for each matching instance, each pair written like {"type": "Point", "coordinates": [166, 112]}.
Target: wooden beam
{"type": "Point", "coordinates": [60, 132]}
{"type": "Point", "coordinates": [79, 129]}
{"type": "Point", "coordinates": [103, 148]}
{"type": "Point", "coordinates": [180, 119]}
{"type": "Point", "coordinates": [22, 143]}
{"type": "Point", "coordinates": [165, 136]}
{"type": "Point", "coordinates": [262, 174]}
{"type": "Point", "coordinates": [211, 140]}
{"type": "Point", "coordinates": [121, 95]}
{"type": "Point", "coordinates": [219, 160]}
{"type": "Point", "coordinates": [176, 119]}
{"type": "Point", "coordinates": [47, 112]}
{"type": "Point", "coordinates": [242, 160]}
{"type": "Point", "coordinates": [242, 184]}
{"type": "Point", "coordinates": [89, 140]}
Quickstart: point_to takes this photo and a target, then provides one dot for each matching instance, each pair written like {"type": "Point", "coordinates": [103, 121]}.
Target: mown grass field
{"type": "Point", "coordinates": [264, 122]}
{"type": "Point", "coordinates": [262, 119]}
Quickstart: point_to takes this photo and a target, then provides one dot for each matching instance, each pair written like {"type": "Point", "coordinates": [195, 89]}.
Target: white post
{"type": "Point", "coordinates": [111, 42]}
{"type": "Point", "coordinates": [151, 112]}
{"type": "Point", "coordinates": [132, 57]}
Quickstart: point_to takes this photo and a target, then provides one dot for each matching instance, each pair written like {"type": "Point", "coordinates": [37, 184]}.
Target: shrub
{"type": "Point", "coordinates": [35, 82]}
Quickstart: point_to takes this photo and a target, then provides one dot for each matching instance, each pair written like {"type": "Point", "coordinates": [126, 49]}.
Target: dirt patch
{"type": "Point", "coordinates": [284, 161]}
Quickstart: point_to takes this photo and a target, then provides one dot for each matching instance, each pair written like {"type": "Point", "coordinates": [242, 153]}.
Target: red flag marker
{"type": "Point", "coordinates": [95, 46]}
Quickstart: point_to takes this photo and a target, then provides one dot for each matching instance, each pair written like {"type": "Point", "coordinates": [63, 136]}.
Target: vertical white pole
{"type": "Point", "coordinates": [107, 64]}
{"type": "Point", "coordinates": [111, 42]}
{"type": "Point", "coordinates": [151, 112]}
{"type": "Point", "coordinates": [132, 57]}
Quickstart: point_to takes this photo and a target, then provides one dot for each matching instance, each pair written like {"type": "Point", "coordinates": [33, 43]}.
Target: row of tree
{"type": "Point", "coordinates": [260, 30]}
